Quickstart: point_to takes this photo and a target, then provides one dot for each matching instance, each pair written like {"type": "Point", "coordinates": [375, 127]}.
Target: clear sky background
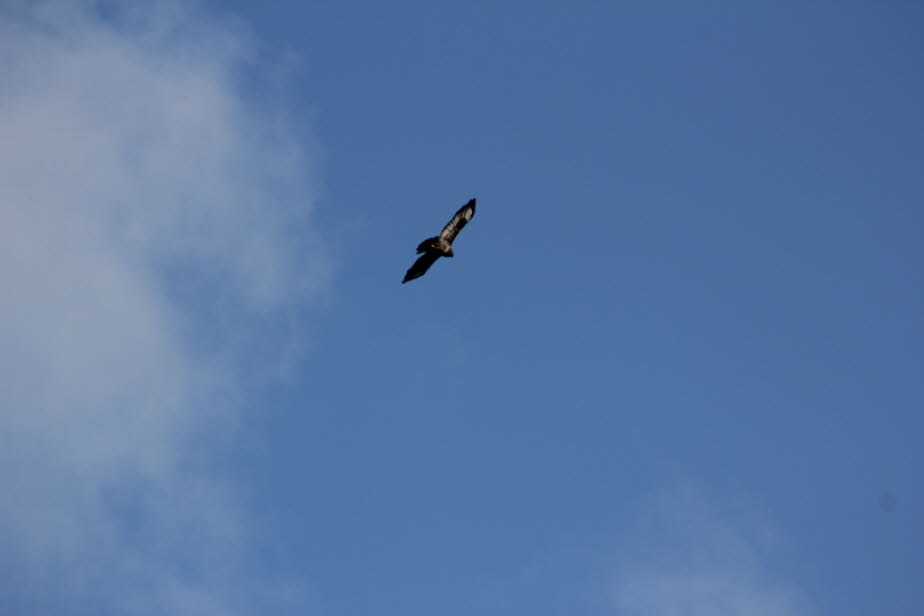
{"type": "Point", "coordinates": [674, 369]}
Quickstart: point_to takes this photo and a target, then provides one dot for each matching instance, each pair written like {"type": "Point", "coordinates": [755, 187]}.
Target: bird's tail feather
{"type": "Point", "coordinates": [427, 243]}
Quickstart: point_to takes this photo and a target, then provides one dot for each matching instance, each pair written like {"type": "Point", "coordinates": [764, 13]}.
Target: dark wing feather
{"type": "Point", "coordinates": [421, 265]}
{"type": "Point", "coordinates": [459, 220]}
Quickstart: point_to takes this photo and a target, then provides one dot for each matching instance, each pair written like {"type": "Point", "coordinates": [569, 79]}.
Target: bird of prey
{"type": "Point", "coordinates": [440, 246]}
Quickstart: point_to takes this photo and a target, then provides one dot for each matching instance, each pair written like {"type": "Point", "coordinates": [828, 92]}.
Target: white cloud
{"type": "Point", "coordinates": [155, 245]}
{"type": "Point", "coordinates": [688, 557]}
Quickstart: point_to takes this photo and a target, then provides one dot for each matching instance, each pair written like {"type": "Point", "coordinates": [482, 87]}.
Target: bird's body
{"type": "Point", "coordinates": [440, 246]}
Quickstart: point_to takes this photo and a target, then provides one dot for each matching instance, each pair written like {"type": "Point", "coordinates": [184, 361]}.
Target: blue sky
{"type": "Point", "coordinates": [675, 367]}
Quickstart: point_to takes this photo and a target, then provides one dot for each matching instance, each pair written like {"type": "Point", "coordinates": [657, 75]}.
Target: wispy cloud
{"type": "Point", "coordinates": [689, 556]}
{"type": "Point", "coordinates": [156, 244]}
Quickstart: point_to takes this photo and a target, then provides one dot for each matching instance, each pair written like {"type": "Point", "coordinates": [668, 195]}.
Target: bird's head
{"type": "Point", "coordinates": [450, 253]}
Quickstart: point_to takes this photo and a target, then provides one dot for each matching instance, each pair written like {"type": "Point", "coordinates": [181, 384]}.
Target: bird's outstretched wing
{"type": "Point", "coordinates": [459, 220]}
{"type": "Point", "coordinates": [421, 265]}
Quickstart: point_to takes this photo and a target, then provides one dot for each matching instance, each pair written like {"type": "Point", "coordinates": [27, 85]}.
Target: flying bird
{"type": "Point", "coordinates": [440, 246]}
